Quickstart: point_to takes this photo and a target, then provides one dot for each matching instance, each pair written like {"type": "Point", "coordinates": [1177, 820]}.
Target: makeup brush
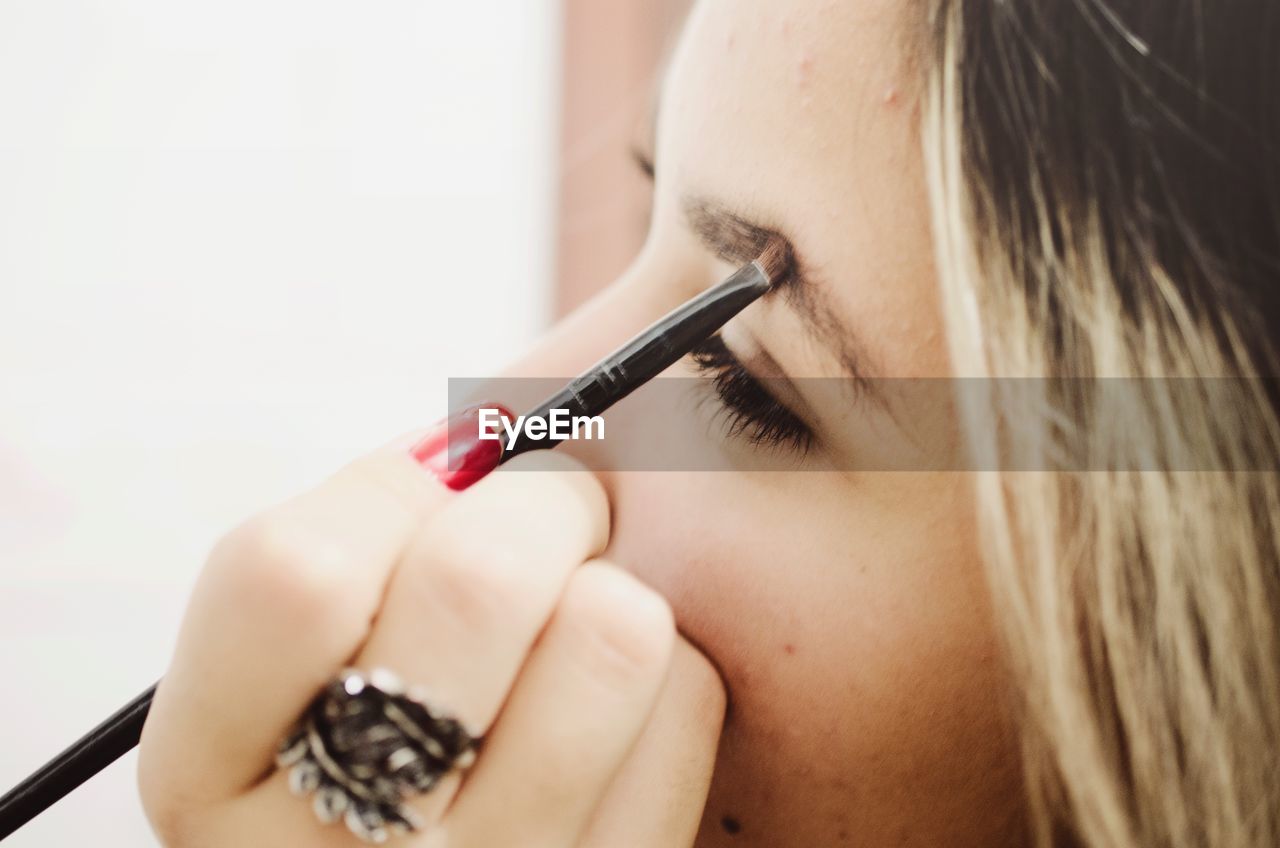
{"type": "Point", "coordinates": [663, 343]}
{"type": "Point", "coordinates": [600, 387]}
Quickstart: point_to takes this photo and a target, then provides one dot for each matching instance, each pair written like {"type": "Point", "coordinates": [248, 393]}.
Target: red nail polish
{"type": "Point", "coordinates": [454, 451]}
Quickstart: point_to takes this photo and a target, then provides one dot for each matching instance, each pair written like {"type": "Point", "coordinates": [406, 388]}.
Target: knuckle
{"type": "Point", "coordinates": [151, 794]}
{"type": "Point", "coordinates": [169, 829]}
{"type": "Point", "coordinates": [170, 820]}
{"type": "Point", "coordinates": [275, 559]}
{"type": "Point", "coordinates": [393, 480]}
{"type": "Point", "coordinates": [479, 579]}
{"type": "Point", "coordinates": [622, 630]}
{"type": "Point", "coordinates": [557, 478]}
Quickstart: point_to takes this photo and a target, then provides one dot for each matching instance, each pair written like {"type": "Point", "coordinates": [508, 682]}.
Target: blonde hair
{"type": "Point", "coordinates": [1105, 205]}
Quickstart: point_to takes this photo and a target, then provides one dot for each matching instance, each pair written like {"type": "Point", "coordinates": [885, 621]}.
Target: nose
{"type": "Point", "coordinates": [648, 289]}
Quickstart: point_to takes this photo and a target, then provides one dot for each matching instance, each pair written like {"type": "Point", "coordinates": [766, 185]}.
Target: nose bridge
{"type": "Point", "coordinates": [646, 290]}
{"type": "Point", "coordinates": [650, 287]}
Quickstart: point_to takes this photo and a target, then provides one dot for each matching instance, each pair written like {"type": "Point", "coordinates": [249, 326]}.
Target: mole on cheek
{"type": "Point", "coordinates": [731, 825]}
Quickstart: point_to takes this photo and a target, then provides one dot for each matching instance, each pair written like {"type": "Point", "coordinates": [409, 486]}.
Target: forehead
{"type": "Point", "coordinates": [803, 116]}
{"type": "Point", "coordinates": [795, 87]}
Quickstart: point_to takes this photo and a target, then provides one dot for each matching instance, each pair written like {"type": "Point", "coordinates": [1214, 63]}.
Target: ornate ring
{"type": "Point", "coordinates": [364, 745]}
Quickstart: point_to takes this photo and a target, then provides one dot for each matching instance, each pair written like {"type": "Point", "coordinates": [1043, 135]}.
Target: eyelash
{"type": "Point", "coordinates": [751, 412]}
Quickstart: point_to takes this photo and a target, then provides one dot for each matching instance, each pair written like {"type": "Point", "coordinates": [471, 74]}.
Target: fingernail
{"type": "Point", "coordinates": [454, 451]}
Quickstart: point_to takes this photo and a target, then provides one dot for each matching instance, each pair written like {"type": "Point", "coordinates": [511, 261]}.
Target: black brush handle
{"type": "Point", "coordinates": [651, 352]}
{"type": "Point", "coordinates": [87, 756]}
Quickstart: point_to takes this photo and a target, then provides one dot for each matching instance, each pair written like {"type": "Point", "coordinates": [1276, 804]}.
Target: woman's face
{"type": "Point", "coordinates": [845, 609]}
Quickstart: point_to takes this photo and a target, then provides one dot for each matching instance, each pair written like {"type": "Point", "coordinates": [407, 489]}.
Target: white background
{"type": "Point", "coordinates": [240, 242]}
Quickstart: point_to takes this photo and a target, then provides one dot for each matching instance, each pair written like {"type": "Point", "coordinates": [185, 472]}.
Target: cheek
{"type": "Point", "coordinates": [850, 623]}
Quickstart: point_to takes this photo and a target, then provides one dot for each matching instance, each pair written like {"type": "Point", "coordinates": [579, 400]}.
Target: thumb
{"type": "Point", "coordinates": [656, 799]}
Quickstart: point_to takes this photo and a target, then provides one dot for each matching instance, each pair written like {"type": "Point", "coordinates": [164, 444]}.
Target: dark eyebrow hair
{"type": "Point", "coordinates": [737, 239]}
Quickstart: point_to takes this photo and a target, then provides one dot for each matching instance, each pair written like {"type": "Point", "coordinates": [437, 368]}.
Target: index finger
{"type": "Point", "coordinates": [284, 598]}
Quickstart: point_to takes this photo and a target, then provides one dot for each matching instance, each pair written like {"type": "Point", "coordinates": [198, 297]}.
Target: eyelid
{"type": "Point", "coordinates": [766, 370]}
{"type": "Point", "coordinates": [753, 410]}
{"type": "Point", "coordinates": [746, 349]}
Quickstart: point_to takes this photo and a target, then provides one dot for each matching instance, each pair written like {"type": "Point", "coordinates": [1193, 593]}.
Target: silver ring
{"type": "Point", "coordinates": [364, 745]}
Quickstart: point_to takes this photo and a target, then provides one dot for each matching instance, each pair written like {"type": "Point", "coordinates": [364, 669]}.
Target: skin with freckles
{"type": "Point", "coordinates": [846, 611]}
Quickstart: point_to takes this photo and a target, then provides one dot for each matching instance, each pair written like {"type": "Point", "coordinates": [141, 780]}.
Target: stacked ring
{"type": "Point", "coordinates": [364, 745]}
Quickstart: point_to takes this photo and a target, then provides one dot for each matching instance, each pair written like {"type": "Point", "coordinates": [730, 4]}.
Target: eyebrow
{"type": "Point", "coordinates": [737, 239]}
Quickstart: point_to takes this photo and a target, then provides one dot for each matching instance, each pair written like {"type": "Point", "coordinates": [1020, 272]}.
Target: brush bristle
{"type": "Point", "coordinates": [776, 260]}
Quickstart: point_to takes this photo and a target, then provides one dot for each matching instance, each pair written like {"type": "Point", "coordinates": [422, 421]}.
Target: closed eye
{"type": "Point", "coordinates": [751, 411]}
